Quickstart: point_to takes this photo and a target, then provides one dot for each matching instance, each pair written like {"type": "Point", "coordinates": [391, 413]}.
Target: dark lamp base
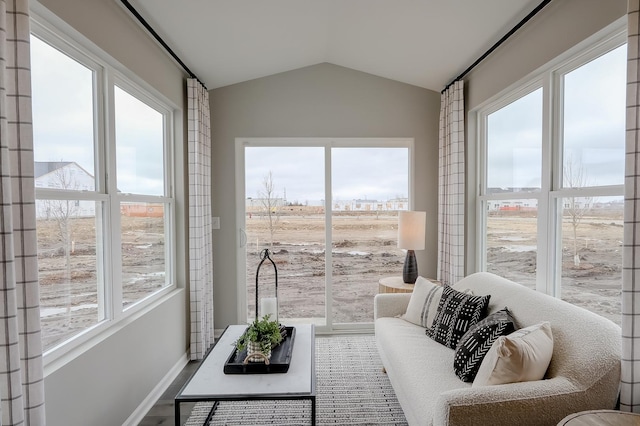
{"type": "Point", "coordinates": [410, 270]}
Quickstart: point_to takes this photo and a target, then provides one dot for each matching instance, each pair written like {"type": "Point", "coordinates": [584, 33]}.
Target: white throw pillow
{"type": "Point", "coordinates": [424, 302]}
{"type": "Point", "coordinates": [522, 356]}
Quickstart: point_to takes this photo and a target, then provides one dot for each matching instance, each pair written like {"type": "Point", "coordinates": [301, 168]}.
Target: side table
{"type": "Point", "coordinates": [601, 418]}
{"type": "Point", "coordinates": [396, 285]}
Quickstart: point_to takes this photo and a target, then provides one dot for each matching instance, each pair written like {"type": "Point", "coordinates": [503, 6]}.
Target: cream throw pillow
{"type": "Point", "coordinates": [424, 302]}
{"type": "Point", "coordinates": [522, 356]}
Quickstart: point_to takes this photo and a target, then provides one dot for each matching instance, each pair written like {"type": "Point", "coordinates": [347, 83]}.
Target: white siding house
{"type": "Point", "coordinates": [64, 175]}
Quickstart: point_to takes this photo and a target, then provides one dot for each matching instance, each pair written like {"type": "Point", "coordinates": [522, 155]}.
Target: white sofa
{"type": "Point", "coordinates": [584, 373]}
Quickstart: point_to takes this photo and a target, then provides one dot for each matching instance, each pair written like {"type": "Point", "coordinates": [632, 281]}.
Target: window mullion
{"type": "Point", "coordinates": [546, 227]}
{"type": "Point", "coordinates": [115, 282]}
{"type": "Point", "coordinates": [113, 239]}
{"type": "Point", "coordinates": [481, 188]}
{"type": "Point", "coordinates": [328, 238]}
{"type": "Point", "coordinates": [554, 216]}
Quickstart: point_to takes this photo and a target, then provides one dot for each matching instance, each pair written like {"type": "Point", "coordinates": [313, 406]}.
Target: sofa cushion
{"type": "Point", "coordinates": [522, 356]}
{"type": "Point", "coordinates": [477, 341]}
{"type": "Point", "coordinates": [419, 368]}
{"type": "Point", "coordinates": [457, 312]}
{"type": "Point", "coordinates": [424, 302]}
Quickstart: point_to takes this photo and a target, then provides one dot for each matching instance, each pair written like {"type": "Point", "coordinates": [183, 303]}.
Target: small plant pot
{"type": "Point", "coordinates": [255, 354]}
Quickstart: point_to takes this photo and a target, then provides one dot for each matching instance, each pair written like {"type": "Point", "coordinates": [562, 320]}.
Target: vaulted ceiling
{"type": "Point", "coordinates": [425, 43]}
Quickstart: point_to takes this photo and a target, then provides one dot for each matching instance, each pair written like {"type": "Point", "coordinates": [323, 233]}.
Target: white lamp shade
{"type": "Point", "coordinates": [411, 230]}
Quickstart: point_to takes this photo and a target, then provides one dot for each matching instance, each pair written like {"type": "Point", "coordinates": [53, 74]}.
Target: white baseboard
{"type": "Point", "coordinates": [136, 417]}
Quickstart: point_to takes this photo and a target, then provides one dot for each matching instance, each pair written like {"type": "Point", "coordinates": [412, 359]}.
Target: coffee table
{"type": "Point", "coordinates": [209, 383]}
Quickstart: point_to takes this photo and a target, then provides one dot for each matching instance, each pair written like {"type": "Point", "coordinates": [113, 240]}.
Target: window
{"type": "Point", "coordinates": [589, 196]}
{"type": "Point", "coordinates": [513, 187]}
{"type": "Point", "coordinates": [551, 180]}
{"type": "Point", "coordinates": [140, 174]}
{"type": "Point", "coordinates": [102, 150]}
{"type": "Point", "coordinates": [329, 260]}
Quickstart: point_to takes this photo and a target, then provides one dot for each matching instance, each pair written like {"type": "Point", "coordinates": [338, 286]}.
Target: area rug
{"type": "Point", "coordinates": [351, 389]}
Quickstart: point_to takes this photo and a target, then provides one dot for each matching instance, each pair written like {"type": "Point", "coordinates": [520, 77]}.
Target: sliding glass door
{"type": "Point", "coordinates": [284, 212]}
{"type": "Point", "coordinates": [327, 211]}
{"type": "Point", "coordinates": [369, 186]}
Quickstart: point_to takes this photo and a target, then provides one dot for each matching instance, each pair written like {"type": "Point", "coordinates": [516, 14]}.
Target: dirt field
{"type": "Point", "coordinates": [363, 250]}
{"type": "Point", "coordinates": [595, 283]}
{"type": "Point", "coordinates": [68, 289]}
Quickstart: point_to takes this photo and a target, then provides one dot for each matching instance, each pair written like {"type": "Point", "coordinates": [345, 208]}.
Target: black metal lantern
{"type": "Point", "coordinates": [268, 305]}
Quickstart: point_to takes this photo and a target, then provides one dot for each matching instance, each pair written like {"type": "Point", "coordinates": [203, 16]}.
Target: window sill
{"type": "Point", "coordinates": [58, 357]}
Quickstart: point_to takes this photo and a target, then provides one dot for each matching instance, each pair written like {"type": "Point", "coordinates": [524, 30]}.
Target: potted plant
{"type": "Point", "coordinates": [259, 338]}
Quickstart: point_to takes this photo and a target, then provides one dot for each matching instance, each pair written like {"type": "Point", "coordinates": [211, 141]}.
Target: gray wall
{"type": "Point", "coordinates": [323, 100]}
{"type": "Point", "coordinates": [109, 381]}
{"type": "Point", "coordinates": [105, 383]}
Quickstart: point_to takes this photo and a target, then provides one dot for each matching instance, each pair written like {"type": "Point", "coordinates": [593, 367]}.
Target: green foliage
{"type": "Point", "coordinates": [263, 331]}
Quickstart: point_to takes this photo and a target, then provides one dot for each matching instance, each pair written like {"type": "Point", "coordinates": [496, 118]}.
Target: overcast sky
{"type": "Point", "coordinates": [593, 132]}
{"type": "Point", "coordinates": [357, 173]}
{"type": "Point", "coordinates": [594, 128]}
{"type": "Point", "coordinates": [63, 123]}
{"type": "Point", "coordinates": [62, 107]}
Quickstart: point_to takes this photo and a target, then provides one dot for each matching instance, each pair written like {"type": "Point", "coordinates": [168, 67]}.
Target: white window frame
{"type": "Point", "coordinates": [107, 73]}
{"type": "Point", "coordinates": [482, 196]}
{"type": "Point", "coordinates": [327, 144]}
{"type": "Point", "coordinates": [167, 200]}
{"type": "Point", "coordinates": [549, 78]}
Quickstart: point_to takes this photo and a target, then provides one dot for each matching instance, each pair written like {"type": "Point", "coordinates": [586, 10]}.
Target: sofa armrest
{"type": "Point", "coordinates": [390, 304]}
{"type": "Point", "coordinates": [541, 402]}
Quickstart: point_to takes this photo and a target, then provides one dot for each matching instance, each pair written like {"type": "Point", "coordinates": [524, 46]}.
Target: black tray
{"type": "Point", "coordinates": [279, 362]}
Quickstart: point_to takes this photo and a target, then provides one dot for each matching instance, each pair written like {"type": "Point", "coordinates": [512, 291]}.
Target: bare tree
{"type": "Point", "coordinates": [62, 212]}
{"type": "Point", "coordinates": [575, 207]}
{"type": "Point", "coordinates": [270, 204]}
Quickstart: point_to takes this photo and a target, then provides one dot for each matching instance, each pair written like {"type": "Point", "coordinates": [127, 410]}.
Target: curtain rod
{"type": "Point", "coordinates": [166, 47]}
{"type": "Point", "coordinates": [499, 42]}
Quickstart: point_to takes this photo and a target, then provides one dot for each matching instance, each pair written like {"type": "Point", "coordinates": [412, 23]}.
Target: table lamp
{"type": "Point", "coordinates": [411, 236]}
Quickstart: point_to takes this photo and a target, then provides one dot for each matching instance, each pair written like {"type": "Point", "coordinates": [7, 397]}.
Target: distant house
{"type": "Point", "coordinates": [71, 176]}
{"type": "Point", "coordinates": [63, 175]}
{"type": "Point", "coordinates": [142, 210]}
{"type": "Point", "coordinates": [532, 204]}
{"type": "Point", "coordinates": [370, 205]}
{"type": "Point", "coordinates": [512, 205]}
{"type": "Point", "coordinates": [259, 204]}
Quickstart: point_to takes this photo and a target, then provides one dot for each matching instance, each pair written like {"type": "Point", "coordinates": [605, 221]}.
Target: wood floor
{"type": "Point", "coordinates": [162, 413]}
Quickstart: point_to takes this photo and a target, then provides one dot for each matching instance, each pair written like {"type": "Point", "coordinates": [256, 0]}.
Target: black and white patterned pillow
{"type": "Point", "coordinates": [477, 341]}
{"type": "Point", "coordinates": [457, 312]}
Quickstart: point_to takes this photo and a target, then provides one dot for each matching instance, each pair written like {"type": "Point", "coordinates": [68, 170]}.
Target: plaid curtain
{"type": "Point", "coordinates": [200, 231]}
{"type": "Point", "coordinates": [21, 371]}
{"type": "Point", "coordinates": [451, 185]}
{"type": "Point", "coordinates": [630, 387]}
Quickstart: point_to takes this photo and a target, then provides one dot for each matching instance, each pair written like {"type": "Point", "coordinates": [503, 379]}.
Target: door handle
{"type": "Point", "coordinates": [243, 238]}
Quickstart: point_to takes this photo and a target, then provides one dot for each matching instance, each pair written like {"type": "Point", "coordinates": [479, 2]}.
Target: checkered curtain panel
{"type": "Point", "coordinates": [451, 185]}
{"type": "Point", "coordinates": [630, 387]}
{"type": "Point", "coordinates": [200, 234]}
{"type": "Point", "coordinates": [21, 372]}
